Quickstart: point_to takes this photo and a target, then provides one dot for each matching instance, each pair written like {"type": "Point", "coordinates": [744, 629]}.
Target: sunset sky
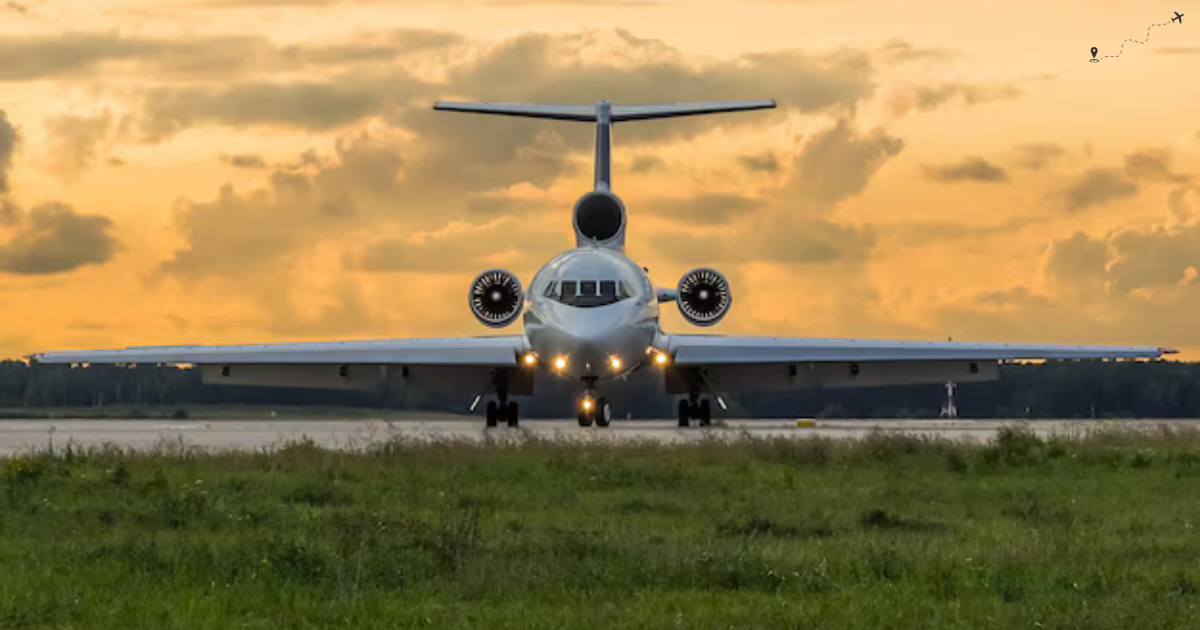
{"type": "Point", "coordinates": [237, 171]}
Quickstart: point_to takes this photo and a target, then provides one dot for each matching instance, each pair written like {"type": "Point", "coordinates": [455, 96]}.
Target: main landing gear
{"type": "Point", "coordinates": [695, 410]}
{"type": "Point", "coordinates": [507, 412]}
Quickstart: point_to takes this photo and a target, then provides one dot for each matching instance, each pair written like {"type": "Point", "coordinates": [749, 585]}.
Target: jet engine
{"type": "Point", "coordinates": [704, 296]}
{"type": "Point", "coordinates": [496, 298]}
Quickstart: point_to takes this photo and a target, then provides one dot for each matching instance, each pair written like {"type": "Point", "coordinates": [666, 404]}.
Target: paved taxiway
{"type": "Point", "coordinates": [22, 435]}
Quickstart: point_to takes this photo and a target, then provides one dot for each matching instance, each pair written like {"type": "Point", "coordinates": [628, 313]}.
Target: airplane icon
{"type": "Point", "coordinates": [1178, 16]}
{"type": "Point", "coordinates": [591, 315]}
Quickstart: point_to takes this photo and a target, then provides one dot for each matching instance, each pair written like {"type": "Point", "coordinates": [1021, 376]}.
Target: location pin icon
{"type": "Point", "coordinates": [1093, 52]}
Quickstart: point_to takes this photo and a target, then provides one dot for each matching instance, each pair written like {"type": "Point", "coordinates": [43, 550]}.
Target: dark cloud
{"type": "Point", "coordinates": [921, 233]}
{"type": "Point", "coordinates": [244, 160]}
{"type": "Point", "coordinates": [53, 238]}
{"type": "Point", "coordinates": [764, 162]}
{"type": "Point", "coordinates": [1153, 164]}
{"type": "Point", "coordinates": [703, 209]}
{"type": "Point", "coordinates": [838, 162]}
{"type": "Point", "coordinates": [224, 57]}
{"type": "Point", "coordinates": [8, 146]}
{"type": "Point", "coordinates": [74, 142]}
{"type": "Point", "coordinates": [925, 97]}
{"type": "Point", "coordinates": [969, 169]}
{"type": "Point", "coordinates": [1095, 187]}
{"type": "Point", "coordinates": [1037, 156]}
{"type": "Point", "coordinates": [778, 239]}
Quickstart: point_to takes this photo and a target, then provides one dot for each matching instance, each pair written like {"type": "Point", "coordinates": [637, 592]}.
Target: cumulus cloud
{"type": "Point", "coordinates": [838, 162]}
{"type": "Point", "coordinates": [1079, 260]}
{"type": "Point", "coordinates": [53, 238]}
{"type": "Point", "coordinates": [903, 99]}
{"type": "Point", "coordinates": [1095, 187]}
{"type": "Point", "coordinates": [969, 169]}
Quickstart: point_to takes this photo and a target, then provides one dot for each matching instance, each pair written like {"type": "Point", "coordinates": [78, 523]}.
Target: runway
{"type": "Point", "coordinates": [17, 436]}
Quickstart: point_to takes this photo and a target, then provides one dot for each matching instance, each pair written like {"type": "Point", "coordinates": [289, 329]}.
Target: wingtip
{"type": "Point", "coordinates": [1168, 351]}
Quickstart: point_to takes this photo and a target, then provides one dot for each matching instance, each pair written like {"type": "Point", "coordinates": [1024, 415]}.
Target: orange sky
{"type": "Point", "coordinates": [226, 171]}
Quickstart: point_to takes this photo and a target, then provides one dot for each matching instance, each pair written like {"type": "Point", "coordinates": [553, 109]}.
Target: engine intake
{"type": "Point", "coordinates": [600, 217]}
{"type": "Point", "coordinates": [496, 298]}
{"type": "Point", "coordinates": [704, 296]}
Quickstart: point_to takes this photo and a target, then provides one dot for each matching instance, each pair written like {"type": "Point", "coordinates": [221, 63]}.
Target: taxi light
{"type": "Point", "coordinates": [530, 359]}
{"type": "Point", "coordinates": [560, 363]}
{"type": "Point", "coordinates": [661, 359]}
{"type": "Point", "coordinates": [616, 363]}
{"type": "Point", "coordinates": [587, 404]}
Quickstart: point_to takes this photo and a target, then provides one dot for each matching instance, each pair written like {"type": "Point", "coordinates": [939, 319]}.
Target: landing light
{"type": "Point", "coordinates": [616, 363]}
{"type": "Point", "coordinates": [587, 404]}
{"type": "Point", "coordinates": [530, 359]}
{"type": "Point", "coordinates": [661, 359]}
{"type": "Point", "coordinates": [560, 363]}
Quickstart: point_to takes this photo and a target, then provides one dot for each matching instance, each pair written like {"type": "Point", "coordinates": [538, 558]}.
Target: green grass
{"type": "Point", "coordinates": [885, 532]}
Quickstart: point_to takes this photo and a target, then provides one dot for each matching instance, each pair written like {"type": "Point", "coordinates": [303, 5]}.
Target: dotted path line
{"type": "Point", "coordinates": [1133, 40]}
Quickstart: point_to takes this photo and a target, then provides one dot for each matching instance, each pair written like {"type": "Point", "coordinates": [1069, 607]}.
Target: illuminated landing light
{"type": "Point", "coordinates": [530, 359]}
{"type": "Point", "coordinates": [616, 363]}
{"type": "Point", "coordinates": [661, 359]}
{"type": "Point", "coordinates": [560, 363]}
{"type": "Point", "coordinates": [587, 404]}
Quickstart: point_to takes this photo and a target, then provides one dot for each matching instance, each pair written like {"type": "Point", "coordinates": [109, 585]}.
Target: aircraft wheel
{"type": "Point", "coordinates": [685, 412]}
{"type": "Point", "coordinates": [585, 419]}
{"type": "Point", "coordinates": [512, 415]}
{"type": "Point", "coordinates": [493, 414]}
{"type": "Point", "coordinates": [705, 413]}
{"type": "Point", "coordinates": [603, 413]}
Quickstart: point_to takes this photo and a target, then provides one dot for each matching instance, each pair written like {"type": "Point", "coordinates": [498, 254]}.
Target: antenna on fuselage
{"type": "Point", "coordinates": [604, 114]}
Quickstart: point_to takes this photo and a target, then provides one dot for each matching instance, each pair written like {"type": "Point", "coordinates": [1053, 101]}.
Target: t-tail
{"type": "Point", "coordinates": [599, 216]}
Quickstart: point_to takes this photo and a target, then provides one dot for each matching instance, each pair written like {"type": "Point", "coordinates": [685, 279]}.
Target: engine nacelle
{"type": "Point", "coordinates": [496, 298]}
{"type": "Point", "coordinates": [600, 220]}
{"type": "Point", "coordinates": [703, 296]}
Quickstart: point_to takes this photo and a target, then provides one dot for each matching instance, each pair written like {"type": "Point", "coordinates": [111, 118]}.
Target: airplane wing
{"type": "Point", "coordinates": [469, 364]}
{"type": "Point", "coordinates": [733, 363]}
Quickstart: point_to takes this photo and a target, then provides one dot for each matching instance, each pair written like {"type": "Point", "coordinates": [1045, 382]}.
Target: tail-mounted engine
{"type": "Point", "coordinates": [600, 220]}
{"type": "Point", "coordinates": [704, 296]}
{"type": "Point", "coordinates": [496, 298]}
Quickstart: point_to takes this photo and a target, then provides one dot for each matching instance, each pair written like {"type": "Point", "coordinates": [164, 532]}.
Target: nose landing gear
{"type": "Point", "coordinates": [593, 410]}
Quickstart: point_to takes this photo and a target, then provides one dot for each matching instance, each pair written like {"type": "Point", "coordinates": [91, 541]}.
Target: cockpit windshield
{"type": "Point", "coordinates": [588, 293]}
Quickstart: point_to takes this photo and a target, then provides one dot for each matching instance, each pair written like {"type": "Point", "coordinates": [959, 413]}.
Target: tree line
{"type": "Point", "coordinates": [1056, 389]}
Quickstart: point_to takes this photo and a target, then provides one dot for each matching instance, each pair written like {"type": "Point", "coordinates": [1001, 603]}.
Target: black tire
{"type": "Point", "coordinates": [705, 413]}
{"type": "Point", "coordinates": [685, 412]}
{"type": "Point", "coordinates": [603, 413]}
{"type": "Point", "coordinates": [585, 419]}
{"type": "Point", "coordinates": [493, 414]}
{"type": "Point", "coordinates": [513, 417]}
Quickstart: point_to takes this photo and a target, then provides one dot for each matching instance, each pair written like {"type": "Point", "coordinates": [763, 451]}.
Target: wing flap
{"type": "Point", "coordinates": [498, 351]}
{"type": "Point", "coordinates": [703, 350]}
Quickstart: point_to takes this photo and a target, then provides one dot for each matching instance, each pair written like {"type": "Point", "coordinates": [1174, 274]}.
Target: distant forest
{"type": "Point", "coordinates": [1059, 389]}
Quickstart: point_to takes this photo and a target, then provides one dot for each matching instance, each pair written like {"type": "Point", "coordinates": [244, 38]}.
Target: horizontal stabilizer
{"type": "Point", "coordinates": [590, 113]}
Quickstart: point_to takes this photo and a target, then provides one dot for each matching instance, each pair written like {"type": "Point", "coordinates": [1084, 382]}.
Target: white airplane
{"type": "Point", "coordinates": [592, 315]}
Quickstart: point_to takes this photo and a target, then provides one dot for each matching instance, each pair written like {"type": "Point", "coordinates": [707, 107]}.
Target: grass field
{"type": "Point", "coordinates": [886, 532]}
